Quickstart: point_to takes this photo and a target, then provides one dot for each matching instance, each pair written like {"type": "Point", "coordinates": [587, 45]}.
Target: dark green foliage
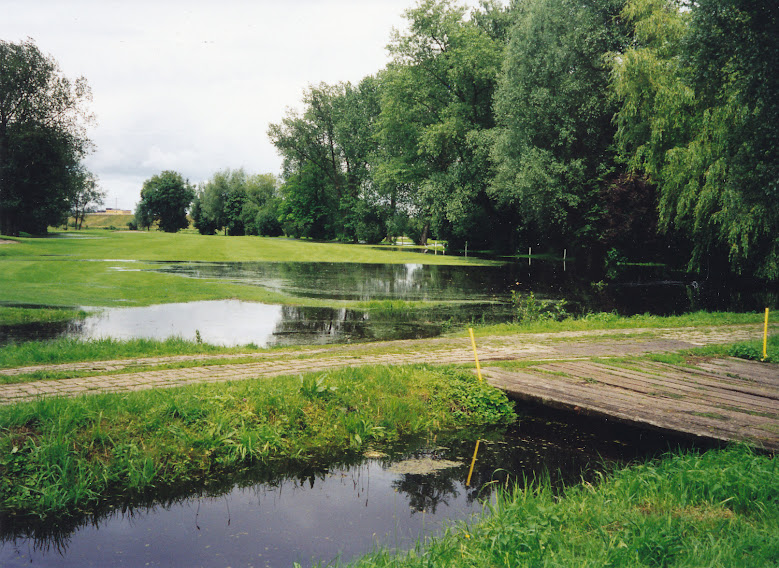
{"type": "Point", "coordinates": [744, 352]}
{"type": "Point", "coordinates": [699, 101]}
{"type": "Point", "coordinates": [165, 198]}
{"type": "Point", "coordinates": [553, 152]}
{"type": "Point", "coordinates": [42, 139]}
{"type": "Point", "coordinates": [529, 309]}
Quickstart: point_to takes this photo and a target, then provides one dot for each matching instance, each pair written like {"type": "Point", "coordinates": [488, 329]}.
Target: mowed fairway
{"type": "Point", "coordinates": [55, 271]}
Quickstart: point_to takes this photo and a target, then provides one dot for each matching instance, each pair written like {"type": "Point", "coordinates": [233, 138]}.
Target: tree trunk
{"type": "Point", "coordinates": [423, 237]}
{"type": "Point", "coordinates": [4, 228]}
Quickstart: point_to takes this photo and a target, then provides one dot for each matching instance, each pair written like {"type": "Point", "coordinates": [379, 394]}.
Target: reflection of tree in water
{"type": "Point", "coordinates": [427, 491]}
{"type": "Point", "coordinates": [40, 331]}
{"type": "Point", "coordinates": [326, 323]}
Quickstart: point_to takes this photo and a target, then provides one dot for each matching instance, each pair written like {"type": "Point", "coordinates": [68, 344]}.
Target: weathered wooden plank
{"type": "Point", "coordinates": [682, 385]}
{"type": "Point", "coordinates": [708, 379]}
{"type": "Point", "coordinates": [747, 384]}
{"type": "Point", "coordinates": [767, 373]}
{"type": "Point", "coordinates": [694, 415]}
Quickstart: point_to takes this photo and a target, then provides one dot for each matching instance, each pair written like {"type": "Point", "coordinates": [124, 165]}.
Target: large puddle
{"type": "Point", "coordinates": [233, 322]}
{"type": "Point", "coordinates": [479, 294]}
{"type": "Point", "coordinates": [337, 511]}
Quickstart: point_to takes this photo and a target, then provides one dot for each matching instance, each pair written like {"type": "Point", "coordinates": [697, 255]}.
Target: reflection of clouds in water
{"type": "Point", "coordinates": [224, 322]}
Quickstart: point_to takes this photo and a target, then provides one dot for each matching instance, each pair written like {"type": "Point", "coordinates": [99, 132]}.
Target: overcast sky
{"type": "Point", "coordinates": [192, 85]}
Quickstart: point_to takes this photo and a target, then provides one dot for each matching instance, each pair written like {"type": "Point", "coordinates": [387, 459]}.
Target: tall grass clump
{"type": "Point", "coordinates": [720, 508]}
{"type": "Point", "coordinates": [61, 455]}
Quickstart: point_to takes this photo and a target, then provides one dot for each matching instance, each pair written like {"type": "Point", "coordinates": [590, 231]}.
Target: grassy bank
{"type": "Point", "coordinates": [22, 316]}
{"type": "Point", "coordinates": [63, 456]}
{"type": "Point", "coordinates": [720, 508]}
{"type": "Point", "coordinates": [613, 321]}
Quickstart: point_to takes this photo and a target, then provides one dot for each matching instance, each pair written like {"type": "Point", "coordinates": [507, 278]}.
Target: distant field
{"type": "Point", "coordinates": [103, 221]}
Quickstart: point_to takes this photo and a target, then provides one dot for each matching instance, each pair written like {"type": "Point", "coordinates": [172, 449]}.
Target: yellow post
{"type": "Point", "coordinates": [473, 462]}
{"type": "Point", "coordinates": [765, 336]}
{"type": "Point", "coordinates": [475, 354]}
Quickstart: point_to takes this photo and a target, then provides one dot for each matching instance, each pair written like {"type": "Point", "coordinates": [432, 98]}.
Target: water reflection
{"type": "Point", "coordinates": [474, 294]}
{"type": "Point", "coordinates": [320, 513]}
{"type": "Point", "coordinates": [233, 322]}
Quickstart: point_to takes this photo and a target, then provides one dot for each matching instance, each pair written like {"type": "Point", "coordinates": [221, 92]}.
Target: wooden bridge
{"type": "Point", "coordinates": [720, 399]}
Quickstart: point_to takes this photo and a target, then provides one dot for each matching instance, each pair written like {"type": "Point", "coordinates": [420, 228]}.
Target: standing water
{"type": "Point", "coordinates": [336, 511]}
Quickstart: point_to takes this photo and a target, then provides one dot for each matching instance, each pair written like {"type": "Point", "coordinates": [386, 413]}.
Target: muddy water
{"type": "Point", "coordinates": [334, 511]}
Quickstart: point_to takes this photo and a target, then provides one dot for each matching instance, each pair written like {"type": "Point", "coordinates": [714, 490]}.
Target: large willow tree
{"type": "Point", "coordinates": [699, 111]}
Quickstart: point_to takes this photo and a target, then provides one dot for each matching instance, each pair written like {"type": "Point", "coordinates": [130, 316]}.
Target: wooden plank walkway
{"type": "Point", "coordinates": [720, 399]}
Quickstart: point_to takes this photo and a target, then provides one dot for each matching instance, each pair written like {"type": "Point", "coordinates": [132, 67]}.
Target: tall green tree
{"type": "Point", "coordinates": [42, 138]}
{"type": "Point", "coordinates": [436, 115]}
{"type": "Point", "coordinates": [554, 151]}
{"type": "Point", "coordinates": [327, 145]}
{"type": "Point", "coordinates": [165, 198]}
{"type": "Point", "coordinates": [699, 104]}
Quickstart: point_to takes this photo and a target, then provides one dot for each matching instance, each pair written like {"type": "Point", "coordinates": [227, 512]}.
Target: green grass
{"type": "Point", "coordinates": [65, 350]}
{"type": "Point", "coordinates": [63, 456]}
{"type": "Point", "coordinates": [612, 321]}
{"type": "Point", "coordinates": [720, 508]}
{"type": "Point", "coordinates": [158, 246]}
{"type": "Point", "coordinates": [21, 316]}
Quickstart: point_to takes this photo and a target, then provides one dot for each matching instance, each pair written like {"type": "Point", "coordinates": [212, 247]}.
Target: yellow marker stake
{"type": "Point", "coordinates": [473, 462]}
{"type": "Point", "coordinates": [475, 355]}
{"type": "Point", "coordinates": [765, 336]}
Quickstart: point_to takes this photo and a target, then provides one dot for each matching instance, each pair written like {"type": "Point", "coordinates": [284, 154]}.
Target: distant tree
{"type": "Point", "coordinates": [42, 138]}
{"type": "Point", "coordinates": [86, 195]}
{"type": "Point", "coordinates": [260, 213]}
{"type": "Point", "coordinates": [142, 218]}
{"type": "Point", "coordinates": [165, 198]}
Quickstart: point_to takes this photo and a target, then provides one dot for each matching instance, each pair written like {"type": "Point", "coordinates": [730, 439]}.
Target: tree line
{"type": "Point", "coordinates": [644, 129]}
